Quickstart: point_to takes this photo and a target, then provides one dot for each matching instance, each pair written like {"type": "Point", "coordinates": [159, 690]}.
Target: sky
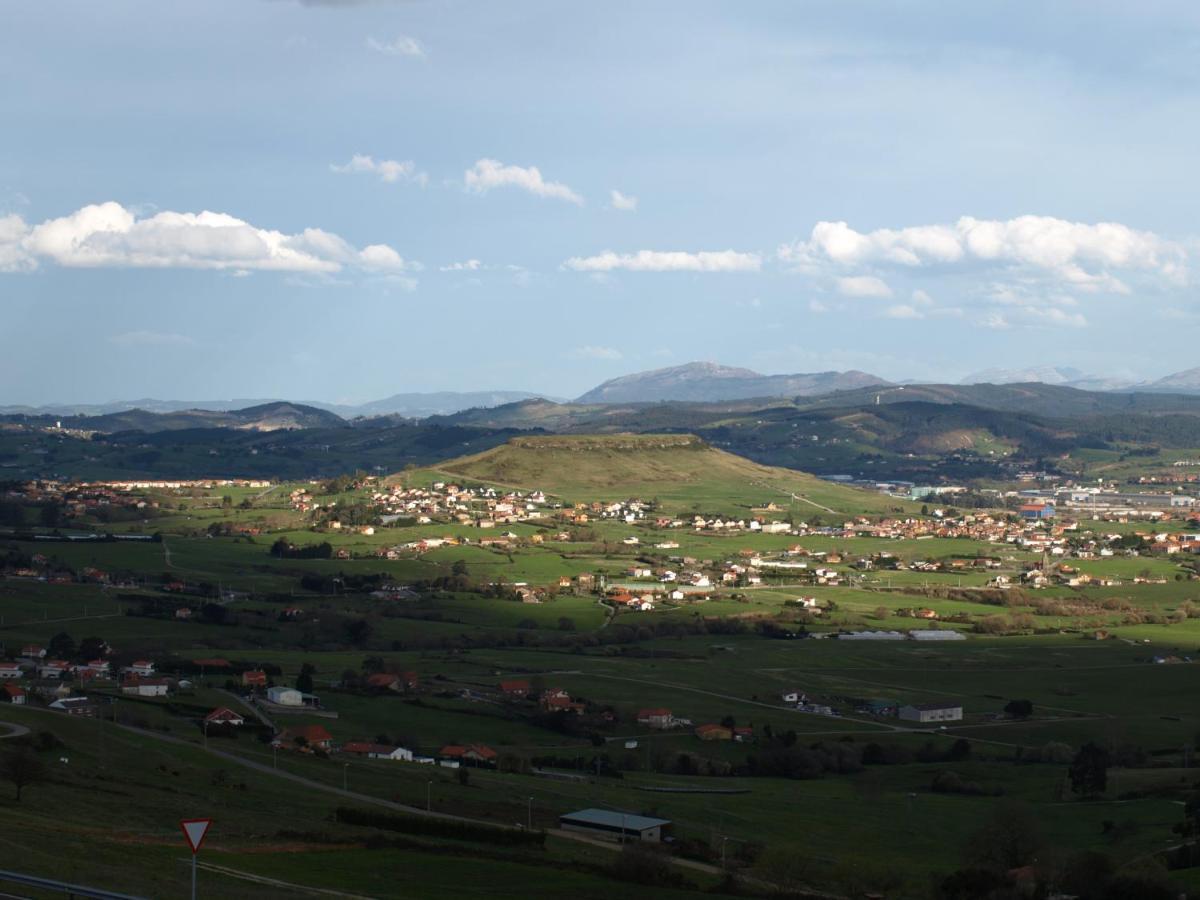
{"type": "Point", "coordinates": [340, 200]}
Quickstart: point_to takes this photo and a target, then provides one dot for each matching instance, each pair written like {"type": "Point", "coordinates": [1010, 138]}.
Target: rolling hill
{"type": "Point", "coordinates": [682, 471]}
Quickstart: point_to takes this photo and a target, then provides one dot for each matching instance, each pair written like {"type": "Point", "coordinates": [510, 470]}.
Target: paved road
{"type": "Point", "coordinates": [14, 730]}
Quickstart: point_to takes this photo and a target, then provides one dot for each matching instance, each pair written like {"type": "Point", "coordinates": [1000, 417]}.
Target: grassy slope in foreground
{"type": "Point", "coordinates": [681, 470]}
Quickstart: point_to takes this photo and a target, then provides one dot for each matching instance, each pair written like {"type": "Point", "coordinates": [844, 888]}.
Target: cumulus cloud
{"type": "Point", "coordinates": [389, 170]}
{"type": "Point", "coordinates": [590, 352]}
{"type": "Point", "coordinates": [487, 174]}
{"type": "Point", "coordinates": [863, 286]}
{"type": "Point", "coordinates": [902, 311]}
{"type": "Point", "coordinates": [401, 45]}
{"type": "Point", "coordinates": [667, 261]}
{"type": "Point", "coordinates": [110, 235]}
{"type": "Point", "coordinates": [623, 202]}
{"type": "Point", "coordinates": [1080, 254]}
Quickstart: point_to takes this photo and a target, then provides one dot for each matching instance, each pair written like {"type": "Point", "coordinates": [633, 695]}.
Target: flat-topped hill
{"type": "Point", "coordinates": [681, 470]}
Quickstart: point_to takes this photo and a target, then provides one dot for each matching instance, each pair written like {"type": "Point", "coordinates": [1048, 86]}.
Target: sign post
{"type": "Point", "coordinates": [194, 830]}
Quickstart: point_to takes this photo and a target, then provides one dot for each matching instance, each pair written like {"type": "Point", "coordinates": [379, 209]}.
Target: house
{"type": "Point", "coordinates": [306, 738]}
{"type": "Point", "coordinates": [793, 696]}
{"type": "Point", "coordinates": [377, 751]}
{"type": "Point", "coordinates": [558, 700]}
{"type": "Point", "coordinates": [518, 688]}
{"type": "Point", "coordinates": [142, 667]}
{"type": "Point", "coordinates": [75, 706]}
{"type": "Point", "coordinates": [384, 681]}
{"type": "Point", "coordinates": [714, 733]}
{"type": "Point", "coordinates": [12, 694]}
{"type": "Point", "coordinates": [10, 670]}
{"type": "Point", "coordinates": [743, 735]}
{"type": "Point", "coordinates": [33, 651]}
{"type": "Point", "coordinates": [656, 718]}
{"type": "Point", "coordinates": [254, 678]}
{"type": "Point", "coordinates": [53, 668]}
{"type": "Point", "coordinates": [223, 715]}
{"type": "Point", "coordinates": [145, 687]}
{"type": "Point", "coordinates": [614, 826]}
{"type": "Point", "coordinates": [476, 754]}
{"type": "Point", "coordinates": [932, 712]}
{"type": "Point", "coordinates": [285, 696]}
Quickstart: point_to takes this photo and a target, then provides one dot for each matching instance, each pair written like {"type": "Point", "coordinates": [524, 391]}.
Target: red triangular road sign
{"type": "Point", "coordinates": [194, 830]}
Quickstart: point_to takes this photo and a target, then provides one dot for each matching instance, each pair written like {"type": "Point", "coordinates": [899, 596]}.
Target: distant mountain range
{"type": "Point", "coordinates": [1186, 382]}
{"type": "Point", "coordinates": [412, 405]}
{"type": "Point", "coordinates": [695, 382]}
{"type": "Point", "coordinates": [706, 382]}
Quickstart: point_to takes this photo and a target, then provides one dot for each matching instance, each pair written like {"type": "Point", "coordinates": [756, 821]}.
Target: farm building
{"type": "Point", "coordinates": [285, 696]}
{"type": "Point", "coordinates": [615, 826]}
{"type": "Point", "coordinates": [932, 712]}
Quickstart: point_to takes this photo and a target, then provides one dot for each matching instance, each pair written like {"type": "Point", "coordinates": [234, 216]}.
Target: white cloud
{"type": "Point", "coordinates": [469, 265]}
{"type": "Point", "coordinates": [13, 233]}
{"type": "Point", "coordinates": [589, 352]}
{"type": "Point", "coordinates": [389, 170]}
{"type": "Point", "coordinates": [995, 321]}
{"type": "Point", "coordinates": [110, 235]}
{"type": "Point", "coordinates": [920, 298]}
{"type": "Point", "coordinates": [863, 286]}
{"type": "Point", "coordinates": [151, 339]}
{"type": "Point", "coordinates": [902, 311]}
{"type": "Point", "coordinates": [1082, 255]}
{"type": "Point", "coordinates": [487, 174]}
{"type": "Point", "coordinates": [667, 261]}
{"type": "Point", "coordinates": [401, 45]}
{"type": "Point", "coordinates": [623, 202]}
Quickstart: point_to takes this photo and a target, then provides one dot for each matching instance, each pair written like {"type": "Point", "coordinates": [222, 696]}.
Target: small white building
{"type": "Point", "coordinates": [932, 712]}
{"type": "Point", "coordinates": [10, 670]}
{"type": "Point", "coordinates": [285, 696]}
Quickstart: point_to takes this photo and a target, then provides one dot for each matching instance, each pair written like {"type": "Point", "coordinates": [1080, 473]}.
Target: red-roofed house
{"type": "Point", "coordinates": [13, 694]}
{"type": "Point", "coordinates": [145, 687]}
{"type": "Point", "coordinates": [254, 678]}
{"type": "Point", "coordinates": [9, 670]}
{"type": "Point", "coordinates": [142, 667]}
{"type": "Point", "coordinates": [478, 754]}
{"type": "Point", "coordinates": [304, 737]}
{"type": "Point", "coordinates": [656, 718]}
{"type": "Point", "coordinates": [376, 751]}
{"type": "Point", "coordinates": [224, 716]}
{"type": "Point", "coordinates": [515, 688]}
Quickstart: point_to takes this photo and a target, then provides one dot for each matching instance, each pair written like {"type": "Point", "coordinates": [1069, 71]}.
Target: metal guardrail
{"type": "Point", "coordinates": [71, 890]}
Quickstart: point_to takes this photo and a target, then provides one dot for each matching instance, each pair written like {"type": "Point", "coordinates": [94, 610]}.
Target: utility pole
{"type": "Point", "coordinates": [428, 793]}
{"type": "Point", "coordinates": [529, 816]}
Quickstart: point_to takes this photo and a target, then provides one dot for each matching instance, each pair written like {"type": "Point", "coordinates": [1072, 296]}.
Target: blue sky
{"type": "Point", "coordinates": [343, 200]}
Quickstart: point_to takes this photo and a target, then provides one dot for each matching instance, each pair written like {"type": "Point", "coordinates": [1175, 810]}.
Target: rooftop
{"type": "Point", "coordinates": [609, 818]}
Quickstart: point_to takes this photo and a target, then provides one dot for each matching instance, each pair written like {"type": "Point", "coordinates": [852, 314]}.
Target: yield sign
{"type": "Point", "coordinates": [194, 830]}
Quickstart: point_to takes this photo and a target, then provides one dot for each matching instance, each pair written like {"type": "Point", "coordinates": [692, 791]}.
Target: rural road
{"type": "Point", "coordinates": [14, 730]}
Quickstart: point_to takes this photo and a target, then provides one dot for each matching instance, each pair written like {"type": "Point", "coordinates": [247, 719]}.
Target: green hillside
{"type": "Point", "coordinates": [681, 470]}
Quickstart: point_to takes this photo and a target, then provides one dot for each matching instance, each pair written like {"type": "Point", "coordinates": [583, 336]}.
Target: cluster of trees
{"type": "Point", "coordinates": [285, 549]}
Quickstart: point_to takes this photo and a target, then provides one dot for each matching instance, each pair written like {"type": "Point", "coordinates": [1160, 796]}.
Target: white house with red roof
{"type": "Point", "coordinates": [10, 670]}
{"type": "Point", "coordinates": [143, 667]}
{"type": "Point", "coordinates": [224, 716]}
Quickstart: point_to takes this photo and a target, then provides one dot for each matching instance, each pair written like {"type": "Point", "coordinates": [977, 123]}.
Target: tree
{"type": "Point", "coordinates": [459, 568]}
{"type": "Point", "coordinates": [1008, 839]}
{"type": "Point", "coordinates": [21, 767]}
{"type": "Point", "coordinates": [304, 681]}
{"type": "Point", "coordinates": [1089, 770]}
{"type": "Point", "coordinates": [358, 631]}
{"type": "Point", "coordinates": [61, 646]}
{"type": "Point", "coordinates": [93, 648]}
{"type": "Point", "coordinates": [1018, 709]}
